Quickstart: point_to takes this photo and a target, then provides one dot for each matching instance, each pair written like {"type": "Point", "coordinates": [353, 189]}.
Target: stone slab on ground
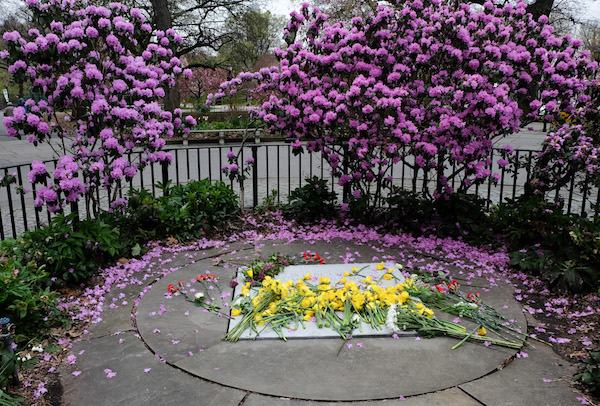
{"type": "Point", "coordinates": [131, 386]}
{"type": "Point", "coordinates": [311, 369]}
{"type": "Point", "coordinates": [448, 397]}
{"type": "Point", "coordinates": [201, 369]}
{"type": "Point", "coordinates": [522, 382]}
{"type": "Point", "coordinates": [335, 272]}
{"type": "Point", "coordinates": [174, 327]}
{"type": "Point", "coordinates": [191, 339]}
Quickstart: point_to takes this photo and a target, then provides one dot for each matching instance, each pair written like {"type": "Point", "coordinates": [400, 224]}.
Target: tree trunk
{"type": "Point", "coordinates": [163, 21]}
{"type": "Point", "coordinates": [540, 8]}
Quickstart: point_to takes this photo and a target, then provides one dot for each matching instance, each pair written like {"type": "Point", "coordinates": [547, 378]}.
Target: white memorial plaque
{"type": "Point", "coordinates": [334, 272]}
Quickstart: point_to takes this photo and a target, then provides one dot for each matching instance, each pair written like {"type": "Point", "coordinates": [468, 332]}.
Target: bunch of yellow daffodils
{"type": "Point", "coordinates": [279, 305]}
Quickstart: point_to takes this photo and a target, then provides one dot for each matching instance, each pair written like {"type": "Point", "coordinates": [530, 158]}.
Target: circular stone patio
{"type": "Point", "coordinates": [190, 338]}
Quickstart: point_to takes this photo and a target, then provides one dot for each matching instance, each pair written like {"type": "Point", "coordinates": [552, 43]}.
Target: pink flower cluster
{"type": "Point", "coordinates": [99, 69]}
{"type": "Point", "coordinates": [428, 82]}
{"type": "Point", "coordinates": [571, 152]}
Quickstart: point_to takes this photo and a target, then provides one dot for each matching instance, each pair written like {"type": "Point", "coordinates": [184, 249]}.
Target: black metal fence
{"type": "Point", "coordinates": [276, 168]}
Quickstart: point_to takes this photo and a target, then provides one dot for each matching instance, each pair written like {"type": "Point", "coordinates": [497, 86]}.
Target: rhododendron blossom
{"type": "Point", "coordinates": [98, 69]}
{"type": "Point", "coordinates": [571, 151]}
{"type": "Point", "coordinates": [430, 83]}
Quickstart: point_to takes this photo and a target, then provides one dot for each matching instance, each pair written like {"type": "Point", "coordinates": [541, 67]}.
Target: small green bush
{"type": "Point", "coordinates": [185, 211]}
{"type": "Point", "coordinates": [69, 249]}
{"type": "Point", "coordinates": [530, 220]}
{"type": "Point", "coordinates": [464, 215]}
{"type": "Point", "coordinates": [589, 373]}
{"type": "Point", "coordinates": [25, 296]}
{"type": "Point", "coordinates": [198, 206]}
{"type": "Point", "coordinates": [313, 201]}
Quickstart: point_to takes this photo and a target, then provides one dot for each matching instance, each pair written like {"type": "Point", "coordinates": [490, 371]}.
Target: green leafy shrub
{"type": "Point", "coordinates": [589, 373]}
{"type": "Point", "coordinates": [186, 211]}
{"type": "Point", "coordinates": [572, 276]}
{"type": "Point", "coordinates": [464, 214]}
{"type": "Point", "coordinates": [25, 296]}
{"type": "Point", "coordinates": [312, 201]}
{"type": "Point", "coordinates": [195, 207]}
{"type": "Point", "coordinates": [69, 249]}
{"type": "Point", "coordinates": [530, 259]}
{"type": "Point", "coordinates": [458, 215]}
{"type": "Point", "coordinates": [529, 220]}
{"type": "Point", "coordinates": [408, 206]}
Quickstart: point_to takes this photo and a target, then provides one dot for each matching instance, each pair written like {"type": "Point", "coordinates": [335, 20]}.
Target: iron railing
{"type": "Point", "coordinates": [276, 168]}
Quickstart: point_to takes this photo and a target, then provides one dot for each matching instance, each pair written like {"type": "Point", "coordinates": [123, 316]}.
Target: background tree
{"type": "Point", "coordinates": [346, 9]}
{"type": "Point", "coordinates": [206, 78]}
{"type": "Point", "coordinates": [589, 33]}
{"type": "Point", "coordinates": [17, 18]}
{"type": "Point", "coordinates": [256, 33]}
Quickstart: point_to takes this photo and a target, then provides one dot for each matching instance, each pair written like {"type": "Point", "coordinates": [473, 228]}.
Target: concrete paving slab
{"type": "Point", "coordinates": [174, 327]}
{"type": "Point", "coordinates": [453, 396]}
{"type": "Point", "coordinates": [117, 317]}
{"type": "Point", "coordinates": [191, 339]}
{"type": "Point", "coordinates": [202, 369]}
{"type": "Point", "coordinates": [131, 386]}
{"type": "Point", "coordinates": [311, 369]}
{"type": "Point", "coordinates": [525, 382]}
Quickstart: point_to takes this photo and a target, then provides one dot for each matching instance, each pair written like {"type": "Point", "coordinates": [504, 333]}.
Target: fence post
{"type": "Point", "coordinates": [346, 187]}
{"type": "Point", "coordinates": [165, 172]}
{"type": "Point", "coordinates": [254, 176]}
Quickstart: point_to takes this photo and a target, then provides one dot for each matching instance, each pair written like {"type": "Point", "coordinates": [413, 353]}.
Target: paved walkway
{"type": "Point", "coordinates": [166, 351]}
{"type": "Point", "coordinates": [16, 152]}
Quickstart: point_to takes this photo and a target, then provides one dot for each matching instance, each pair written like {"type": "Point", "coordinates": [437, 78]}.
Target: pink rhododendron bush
{"type": "Point", "coordinates": [106, 70]}
{"type": "Point", "coordinates": [570, 151]}
{"type": "Point", "coordinates": [429, 83]}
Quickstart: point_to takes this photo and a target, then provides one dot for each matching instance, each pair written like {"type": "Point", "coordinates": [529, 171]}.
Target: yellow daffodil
{"type": "Point", "coordinates": [250, 273]}
{"type": "Point", "coordinates": [323, 280]}
{"type": "Point", "coordinates": [346, 273]}
{"type": "Point", "coordinates": [354, 269]}
{"type": "Point", "coordinates": [390, 270]}
{"type": "Point", "coordinates": [380, 266]}
{"type": "Point", "coordinates": [387, 277]}
{"type": "Point", "coordinates": [307, 276]}
{"type": "Point", "coordinates": [245, 290]}
{"type": "Point", "coordinates": [482, 331]}
{"type": "Point", "coordinates": [342, 281]}
{"type": "Point", "coordinates": [236, 312]}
